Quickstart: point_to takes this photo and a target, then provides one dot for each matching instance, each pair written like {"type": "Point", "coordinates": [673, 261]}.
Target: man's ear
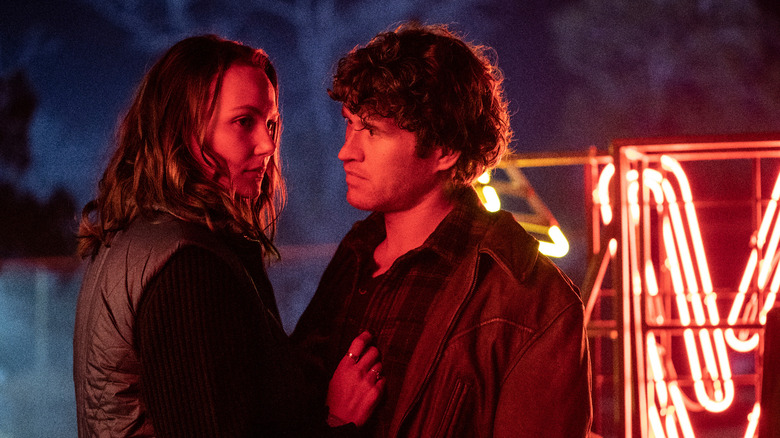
{"type": "Point", "coordinates": [446, 159]}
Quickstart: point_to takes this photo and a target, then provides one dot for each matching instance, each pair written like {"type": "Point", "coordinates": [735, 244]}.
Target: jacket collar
{"type": "Point", "coordinates": [467, 225]}
{"type": "Point", "coordinates": [502, 240]}
{"type": "Point", "coordinates": [518, 253]}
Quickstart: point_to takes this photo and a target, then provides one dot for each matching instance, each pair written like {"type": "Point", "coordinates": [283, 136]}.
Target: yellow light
{"type": "Point", "coordinates": [671, 428]}
{"type": "Point", "coordinates": [767, 220]}
{"type": "Point", "coordinates": [492, 203]}
{"type": "Point", "coordinates": [674, 271]}
{"type": "Point", "coordinates": [656, 369]}
{"type": "Point", "coordinates": [768, 215]}
{"type": "Point", "coordinates": [633, 200]}
{"type": "Point", "coordinates": [681, 240]}
{"type": "Point", "coordinates": [559, 246]}
{"type": "Point", "coordinates": [769, 303]}
{"type": "Point", "coordinates": [693, 355]}
{"type": "Point", "coordinates": [723, 357]}
{"type": "Point", "coordinates": [484, 178]}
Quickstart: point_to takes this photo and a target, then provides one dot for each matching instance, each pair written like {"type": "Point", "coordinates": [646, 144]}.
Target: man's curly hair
{"type": "Point", "coordinates": [432, 83]}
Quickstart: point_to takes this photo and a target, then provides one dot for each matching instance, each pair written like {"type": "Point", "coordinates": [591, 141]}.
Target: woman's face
{"type": "Point", "coordinates": [241, 130]}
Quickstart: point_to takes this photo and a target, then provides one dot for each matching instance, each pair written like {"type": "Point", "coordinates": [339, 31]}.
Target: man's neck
{"type": "Point", "coordinates": [408, 229]}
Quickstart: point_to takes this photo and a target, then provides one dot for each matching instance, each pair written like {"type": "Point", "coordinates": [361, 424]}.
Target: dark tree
{"type": "Point", "coordinates": [17, 103]}
{"type": "Point", "coordinates": [28, 227]}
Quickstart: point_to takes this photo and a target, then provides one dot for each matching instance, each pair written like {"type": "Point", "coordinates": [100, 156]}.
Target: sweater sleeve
{"type": "Point", "coordinates": [202, 339]}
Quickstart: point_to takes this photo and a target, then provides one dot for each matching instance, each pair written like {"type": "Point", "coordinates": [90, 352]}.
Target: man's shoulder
{"type": "Point", "coordinates": [516, 253]}
{"type": "Point", "coordinates": [510, 244]}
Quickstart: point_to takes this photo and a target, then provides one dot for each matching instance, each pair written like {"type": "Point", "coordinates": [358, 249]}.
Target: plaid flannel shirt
{"type": "Point", "coordinates": [394, 309]}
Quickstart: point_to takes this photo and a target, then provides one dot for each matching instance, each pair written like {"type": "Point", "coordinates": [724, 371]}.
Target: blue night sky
{"type": "Point", "coordinates": [83, 64]}
{"type": "Point", "coordinates": [577, 73]}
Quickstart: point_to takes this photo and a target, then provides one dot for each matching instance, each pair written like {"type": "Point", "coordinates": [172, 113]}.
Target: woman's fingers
{"type": "Point", "coordinates": [368, 359]}
{"type": "Point", "coordinates": [358, 346]}
{"type": "Point", "coordinates": [357, 384]}
{"type": "Point", "coordinates": [374, 374]}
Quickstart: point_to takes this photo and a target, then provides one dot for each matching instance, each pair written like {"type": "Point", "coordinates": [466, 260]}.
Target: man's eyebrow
{"type": "Point", "coordinates": [367, 124]}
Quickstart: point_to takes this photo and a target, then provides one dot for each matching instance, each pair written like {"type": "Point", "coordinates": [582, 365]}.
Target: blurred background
{"type": "Point", "coordinates": [578, 73]}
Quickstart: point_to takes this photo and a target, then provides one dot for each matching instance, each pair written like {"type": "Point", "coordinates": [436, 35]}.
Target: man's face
{"type": "Point", "coordinates": [383, 171]}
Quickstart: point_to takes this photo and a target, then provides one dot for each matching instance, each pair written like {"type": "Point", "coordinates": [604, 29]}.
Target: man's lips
{"type": "Point", "coordinates": [353, 174]}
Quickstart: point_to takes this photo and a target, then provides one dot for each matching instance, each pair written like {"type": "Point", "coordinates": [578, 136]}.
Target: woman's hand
{"type": "Point", "coordinates": [357, 384]}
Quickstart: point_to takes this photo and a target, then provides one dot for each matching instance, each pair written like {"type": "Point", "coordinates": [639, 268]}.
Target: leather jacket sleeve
{"type": "Point", "coordinates": [557, 361]}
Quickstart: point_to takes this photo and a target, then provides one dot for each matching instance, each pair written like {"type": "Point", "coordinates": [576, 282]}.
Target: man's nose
{"type": "Point", "coordinates": [351, 148]}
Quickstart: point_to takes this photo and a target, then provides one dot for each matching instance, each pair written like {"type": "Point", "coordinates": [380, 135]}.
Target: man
{"type": "Point", "coordinates": [480, 335]}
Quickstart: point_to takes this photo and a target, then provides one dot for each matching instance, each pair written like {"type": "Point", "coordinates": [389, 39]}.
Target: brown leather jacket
{"type": "Point", "coordinates": [504, 353]}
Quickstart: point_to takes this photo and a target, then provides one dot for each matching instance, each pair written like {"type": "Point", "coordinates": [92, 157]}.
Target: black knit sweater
{"type": "Point", "coordinates": [215, 360]}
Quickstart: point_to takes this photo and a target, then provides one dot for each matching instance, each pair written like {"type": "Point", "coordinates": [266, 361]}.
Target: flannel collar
{"type": "Point", "coordinates": [457, 233]}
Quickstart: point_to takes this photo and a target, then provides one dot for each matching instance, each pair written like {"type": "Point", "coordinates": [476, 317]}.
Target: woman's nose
{"type": "Point", "coordinates": [264, 143]}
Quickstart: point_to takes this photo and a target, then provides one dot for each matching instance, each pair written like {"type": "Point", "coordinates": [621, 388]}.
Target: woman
{"type": "Point", "coordinates": [177, 330]}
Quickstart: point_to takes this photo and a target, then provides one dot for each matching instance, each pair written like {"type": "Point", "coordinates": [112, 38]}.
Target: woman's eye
{"type": "Point", "coordinates": [271, 125]}
{"type": "Point", "coordinates": [245, 122]}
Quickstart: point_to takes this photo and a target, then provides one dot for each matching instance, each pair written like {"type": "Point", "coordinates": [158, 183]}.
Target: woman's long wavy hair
{"type": "Point", "coordinates": [153, 170]}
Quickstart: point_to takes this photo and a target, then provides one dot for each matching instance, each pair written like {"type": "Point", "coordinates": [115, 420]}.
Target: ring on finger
{"type": "Point", "coordinates": [378, 375]}
{"type": "Point", "coordinates": [354, 357]}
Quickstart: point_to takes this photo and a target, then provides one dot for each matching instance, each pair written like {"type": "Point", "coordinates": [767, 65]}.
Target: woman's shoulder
{"type": "Point", "coordinates": [151, 241]}
{"type": "Point", "coordinates": [163, 231]}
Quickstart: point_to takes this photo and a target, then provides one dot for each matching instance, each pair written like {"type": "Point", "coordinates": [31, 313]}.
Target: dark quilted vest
{"type": "Point", "coordinates": [106, 370]}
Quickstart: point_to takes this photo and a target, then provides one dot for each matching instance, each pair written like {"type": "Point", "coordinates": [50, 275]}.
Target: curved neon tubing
{"type": "Point", "coordinates": [680, 411]}
{"type": "Point", "coordinates": [672, 165]}
{"type": "Point", "coordinates": [753, 417]}
{"type": "Point", "coordinates": [602, 193]}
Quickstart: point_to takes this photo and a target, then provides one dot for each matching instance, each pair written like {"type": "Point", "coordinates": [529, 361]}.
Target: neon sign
{"type": "Point", "coordinates": [661, 238]}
